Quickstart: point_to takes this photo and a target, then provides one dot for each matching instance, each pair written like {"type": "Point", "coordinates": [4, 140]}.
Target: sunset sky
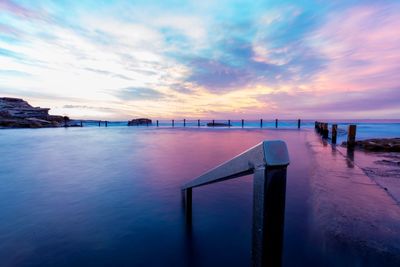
{"type": "Point", "coordinates": [203, 59]}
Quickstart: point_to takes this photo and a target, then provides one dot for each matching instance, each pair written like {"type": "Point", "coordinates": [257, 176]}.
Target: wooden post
{"type": "Point", "coordinates": [213, 123]}
{"type": "Point", "coordinates": [351, 136]}
{"type": "Point", "coordinates": [334, 133]}
{"type": "Point", "coordinates": [184, 122]}
{"type": "Point", "coordinates": [229, 123]}
{"type": "Point", "coordinates": [242, 123]}
{"type": "Point", "coordinates": [99, 123]}
{"type": "Point", "coordinates": [106, 123]}
{"type": "Point", "coordinates": [298, 124]}
{"type": "Point", "coordinates": [325, 130]}
{"type": "Point", "coordinates": [81, 124]}
{"type": "Point", "coordinates": [261, 123]}
{"type": "Point", "coordinates": [173, 123]}
{"type": "Point", "coordinates": [147, 123]}
{"type": "Point", "coordinates": [276, 123]}
{"type": "Point", "coordinates": [268, 216]}
{"type": "Point", "coordinates": [198, 123]}
{"type": "Point", "coordinates": [157, 123]}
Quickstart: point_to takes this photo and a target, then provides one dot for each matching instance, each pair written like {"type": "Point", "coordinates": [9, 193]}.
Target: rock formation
{"type": "Point", "coordinates": [17, 113]}
{"type": "Point", "coordinates": [218, 124]}
{"type": "Point", "coordinates": [140, 121]}
{"type": "Point", "coordinates": [379, 145]}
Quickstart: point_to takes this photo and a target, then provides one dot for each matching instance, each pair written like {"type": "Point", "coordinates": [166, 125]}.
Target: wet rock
{"type": "Point", "coordinates": [17, 113]}
{"type": "Point", "coordinates": [140, 121]}
{"type": "Point", "coordinates": [378, 145]}
{"type": "Point", "coordinates": [218, 124]}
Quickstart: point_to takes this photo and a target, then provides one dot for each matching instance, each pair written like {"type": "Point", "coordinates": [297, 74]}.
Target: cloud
{"type": "Point", "coordinates": [249, 58]}
{"type": "Point", "coordinates": [139, 93]}
{"type": "Point", "coordinates": [18, 10]}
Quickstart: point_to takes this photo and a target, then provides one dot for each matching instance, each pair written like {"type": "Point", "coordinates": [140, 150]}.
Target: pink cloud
{"type": "Point", "coordinates": [362, 46]}
{"type": "Point", "coordinates": [19, 10]}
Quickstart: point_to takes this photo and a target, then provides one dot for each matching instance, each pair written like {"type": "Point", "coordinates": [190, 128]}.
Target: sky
{"type": "Point", "coordinates": [203, 59]}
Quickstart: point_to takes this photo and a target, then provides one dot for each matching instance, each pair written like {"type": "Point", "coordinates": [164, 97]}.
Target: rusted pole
{"type": "Point", "coordinates": [242, 123]}
{"type": "Point", "coordinates": [351, 136]}
{"type": "Point", "coordinates": [261, 123]}
{"type": "Point", "coordinates": [298, 124]}
{"type": "Point", "coordinates": [276, 123]}
{"type": "Point", "coordinates": [184, 122]}
{"type": "Point", "coordinates": [325, 130]}
{"type": "Point", "coordinates": [334, 133]}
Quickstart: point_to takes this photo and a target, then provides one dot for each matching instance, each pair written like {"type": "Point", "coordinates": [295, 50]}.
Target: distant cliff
{"type": "Point", "coordinates": [17, 113]}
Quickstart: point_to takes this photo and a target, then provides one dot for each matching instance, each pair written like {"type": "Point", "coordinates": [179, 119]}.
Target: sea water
{"type": "Point", "coordinates": [111, 197]}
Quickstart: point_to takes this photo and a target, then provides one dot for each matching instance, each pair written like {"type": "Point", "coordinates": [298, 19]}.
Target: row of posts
{"type": "Point", "coordinates": [229, 123]}
{"type": "Point", "coordinates": [323, 130]}
{"type": "Point", "coordinates": [198, 123]}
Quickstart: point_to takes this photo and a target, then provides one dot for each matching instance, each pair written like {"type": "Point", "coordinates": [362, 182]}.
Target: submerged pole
{"type": "Point", "coordinates": [99, 123]}
{"type": "Point", "coordinates": [276, 123]}
{"type": "Point", "coordinates": [325, 130]}
{"type": "Point", "coordinates": [173, 123]}
{"type": "Point", "coordinates": [81, 124]}
{"type": "Point", "coordinates": [198, 123]}
{"type": "Point", "coordinates": [334, 133]}
{"type": "Point", "coordinates": [298, 123]}
{"type": "Point", "coordinates": [184, 122]}
{"type": "Point", "coordinates": [242, 123]}
{"type": "Point", "coordinates": [106, 124]}
{"type": "Point", "coordinates": [157, 123]}
{"type": "Point", "coordinates": [261, 123]}
{"type": "Point", "coordinates": [351, 136]}
{"type": "Point", "coordinates": [229, 123]}
{"type": "Point", "coordinates": [187, 198]}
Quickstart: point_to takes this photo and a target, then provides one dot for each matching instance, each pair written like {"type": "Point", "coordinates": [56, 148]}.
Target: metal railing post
{"type": "Point", "coordinates": [268, 162]}
{"type": "Point", "coordinates": [268, 216]}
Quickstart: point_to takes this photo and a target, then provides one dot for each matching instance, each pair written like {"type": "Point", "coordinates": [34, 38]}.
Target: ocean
{"type": "Point", "coordinates": [97, 196]}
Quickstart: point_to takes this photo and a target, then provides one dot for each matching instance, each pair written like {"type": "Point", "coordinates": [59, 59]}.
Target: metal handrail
{"type": "Point", "coordinates": [268, 161]}
{"type": "Point", "coordinates": [272, 153]}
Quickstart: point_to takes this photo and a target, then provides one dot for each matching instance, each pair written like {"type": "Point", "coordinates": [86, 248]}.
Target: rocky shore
{"type": "Point", "coordinates": [378, 145]}
{"type": "Point", "coordinates": [140, 121]}
{"type": "Point", "coordinates": [17, 113]}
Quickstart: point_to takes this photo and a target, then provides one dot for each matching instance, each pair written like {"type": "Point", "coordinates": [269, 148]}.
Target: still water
{"type": "Point", "coordinates": [111, 197]}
